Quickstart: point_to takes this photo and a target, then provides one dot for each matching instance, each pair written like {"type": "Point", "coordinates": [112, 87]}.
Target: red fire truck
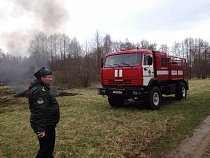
{"type": "Point", "coordinates": [143, 75]}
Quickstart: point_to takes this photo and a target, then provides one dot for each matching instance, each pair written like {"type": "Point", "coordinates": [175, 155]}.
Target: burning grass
{"type": "Point", "coordinates": [90, 127]}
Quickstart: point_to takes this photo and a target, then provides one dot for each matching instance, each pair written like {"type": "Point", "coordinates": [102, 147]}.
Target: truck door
{"type": "Point", "coordinates": [148, 70]}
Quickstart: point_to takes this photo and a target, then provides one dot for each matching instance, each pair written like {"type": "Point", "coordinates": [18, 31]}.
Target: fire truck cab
{"type": "Point", "coordinates": [143, 75]}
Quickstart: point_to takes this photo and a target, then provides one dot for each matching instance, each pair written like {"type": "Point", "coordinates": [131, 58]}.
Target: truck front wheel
{"type": "Point", "coordinates": [115, 100]}
{"type": "Point", "coordinates": [153, 99]}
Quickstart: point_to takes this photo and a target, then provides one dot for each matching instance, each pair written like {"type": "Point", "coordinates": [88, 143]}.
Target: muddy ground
{"type": "Point", "coordinates": [6, 101]}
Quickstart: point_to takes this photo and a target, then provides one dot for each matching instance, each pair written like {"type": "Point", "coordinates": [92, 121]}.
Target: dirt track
{"type": "Point", "coordinates": [197, 145]}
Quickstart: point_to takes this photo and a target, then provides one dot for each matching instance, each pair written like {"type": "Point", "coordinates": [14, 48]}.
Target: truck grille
{"type": "Point", "coordinates": [120, 82]}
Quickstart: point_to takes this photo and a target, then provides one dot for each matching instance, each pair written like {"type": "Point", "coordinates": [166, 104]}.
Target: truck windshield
{"type": "Point", "coordinates": [123, 60]}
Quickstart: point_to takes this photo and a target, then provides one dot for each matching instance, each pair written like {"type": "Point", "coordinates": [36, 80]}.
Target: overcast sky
{"type": "Point", "coordinates": [160, 21]}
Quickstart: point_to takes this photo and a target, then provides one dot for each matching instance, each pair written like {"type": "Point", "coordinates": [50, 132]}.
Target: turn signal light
{"type": "Point", "coordinates": [136, 92]}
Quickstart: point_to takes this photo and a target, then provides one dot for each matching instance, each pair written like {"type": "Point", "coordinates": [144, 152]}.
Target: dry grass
{"type": "Point", "coordinates": [90, 127]}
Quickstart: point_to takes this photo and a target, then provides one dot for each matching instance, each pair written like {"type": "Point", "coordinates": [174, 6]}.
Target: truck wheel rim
{"type": "Point", "coordinates": [156, 98]}
{"type": "Point", "coordinates": [183, 92]}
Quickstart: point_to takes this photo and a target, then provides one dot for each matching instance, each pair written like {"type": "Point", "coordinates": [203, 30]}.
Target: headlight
{"type": "Point", "coordinates": [102, 91]}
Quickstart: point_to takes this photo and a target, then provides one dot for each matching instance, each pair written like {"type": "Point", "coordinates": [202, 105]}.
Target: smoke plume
{"type": "Point", "coordinates": [46, 16]}
{"type": "Point", "coordinates": [18, 72]}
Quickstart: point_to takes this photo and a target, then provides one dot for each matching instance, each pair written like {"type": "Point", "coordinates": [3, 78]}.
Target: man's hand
{"type": "Point", "coordinates": [41, 134]}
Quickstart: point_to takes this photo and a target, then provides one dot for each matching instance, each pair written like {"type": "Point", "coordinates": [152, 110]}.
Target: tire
{"type": "Point", "coordinates": [181, 91]}
{"type": "Point", "coordinates": [115, 100]}
{"type": "Point", "coordinates": [153, 99]}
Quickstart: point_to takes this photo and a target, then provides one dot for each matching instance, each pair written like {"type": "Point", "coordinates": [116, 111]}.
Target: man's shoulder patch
{"type": "Point", "coordinates": [40, 101]}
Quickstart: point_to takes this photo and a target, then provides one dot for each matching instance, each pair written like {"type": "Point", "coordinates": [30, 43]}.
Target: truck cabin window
{"type": "Point", "coordinates": [123, 60]}
{"type": "Point", "coordinates": [163, 62]}
{"type": "Point", "coordinates": [147, 59]}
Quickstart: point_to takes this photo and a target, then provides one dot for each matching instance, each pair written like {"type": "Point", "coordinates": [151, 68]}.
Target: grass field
{"type": "Point", "coordinates": [90, 127]}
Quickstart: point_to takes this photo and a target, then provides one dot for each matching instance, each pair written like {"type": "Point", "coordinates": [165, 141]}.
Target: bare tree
{"type": "Point", "coordinates": [38, 49]}
{"type": "Point", "coordinates": [176, 49]}
{"type": "Point", "coordinates": [107, 43]}
{"type": "Point", "coordinates": [144, 44]}
{"type": "Point", "coordinates": [152, 46]}
{"type": "Point", "coordinates": [164, 48]}
{"type": "Point", "coordinates": [97, 49]}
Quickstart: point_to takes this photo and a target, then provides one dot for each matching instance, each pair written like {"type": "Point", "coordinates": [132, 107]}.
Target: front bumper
{"type": "Point", "coordinates": [127, 92]}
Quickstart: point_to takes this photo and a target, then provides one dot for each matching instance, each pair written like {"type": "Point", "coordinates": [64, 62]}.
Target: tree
{"type": "Point", "coordinates": [107, 43]}
{"type": "Point", "coordinates": [38, 50]}
{"type": "Point", "coordinates": [164, 48]}
{"type": "Point", "coordinates": [97, 49]}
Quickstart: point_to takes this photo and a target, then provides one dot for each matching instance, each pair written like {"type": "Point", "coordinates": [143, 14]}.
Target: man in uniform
{"type": "Point", "coordinates": [45, 112]}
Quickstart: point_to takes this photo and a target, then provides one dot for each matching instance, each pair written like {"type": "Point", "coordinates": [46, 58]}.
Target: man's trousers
{"type": "Point", "coordinates": [47, 143]}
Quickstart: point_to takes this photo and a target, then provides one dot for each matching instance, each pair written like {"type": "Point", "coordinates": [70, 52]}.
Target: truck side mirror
{"type": "Point", "coordinates": [102, 62]}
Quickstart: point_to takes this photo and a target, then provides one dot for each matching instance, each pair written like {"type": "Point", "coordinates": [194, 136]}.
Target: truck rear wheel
{"type": "Point", "coordinates": [153, 99]}
{"type": "Point", "coordinates": [115, 100]}
{"type": "Point", "coordinates": [181, 91]}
